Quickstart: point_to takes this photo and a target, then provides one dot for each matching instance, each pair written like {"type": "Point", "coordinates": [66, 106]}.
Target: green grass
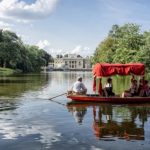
{"type": "Point", "coordinates": [6, 71]}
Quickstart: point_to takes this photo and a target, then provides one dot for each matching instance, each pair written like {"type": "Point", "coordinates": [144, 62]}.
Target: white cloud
{"type": "Point", "coordinates": [46, 45]}
{"type": "Point", "coordinates": [13, 131]}
{"type": "Point", "coordinates": [82, 50]}
{"type": "Point", "coordinates": [79, 49]}
{"type": "Point", "coordinates": [5, 26]}
{"type": "Point", "coordinates": [24, 37]}
{"type": "Point", "coordinates": [55, 51]}
{"type": "Point", "coordinates": [23, 12]}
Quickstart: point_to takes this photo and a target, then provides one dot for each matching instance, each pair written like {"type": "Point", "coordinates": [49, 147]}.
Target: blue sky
{"type": "Point", "coordinates": [70, 26]}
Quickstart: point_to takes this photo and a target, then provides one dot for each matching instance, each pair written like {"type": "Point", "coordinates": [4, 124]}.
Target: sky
{"type": "Point", "coordinates": [70, 26]}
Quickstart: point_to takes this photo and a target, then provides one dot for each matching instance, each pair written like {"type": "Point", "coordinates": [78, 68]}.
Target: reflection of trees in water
{"type": "Point", "coordinates": [17, 85]}
{"type": "Point", "coordinates": [125, 122]}
{"type": "Point", "coordinates": [14, 86]}
{"type": "Point", "coordinates": [120, 83]}
{"type": "Point", "coordinates": [126, 129]}
{"type": "Point", "coordinates": [123, 82]}
{"type": "Point", "coordinates": [68, 78]}
{"type": "Point", "coordinates": [140, 112]}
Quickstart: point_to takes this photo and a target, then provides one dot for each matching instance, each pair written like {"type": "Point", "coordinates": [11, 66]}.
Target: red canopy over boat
{"type": "Point", "coordinates": [106, 69]}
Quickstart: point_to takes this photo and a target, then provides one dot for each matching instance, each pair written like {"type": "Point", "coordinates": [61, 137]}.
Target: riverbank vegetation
{"type": "Point", "coordinates": [7, 71]}
{"type": "Point", "coordinates": [14, 54]}
{"type": "Point", "coordinates": [124, 44]}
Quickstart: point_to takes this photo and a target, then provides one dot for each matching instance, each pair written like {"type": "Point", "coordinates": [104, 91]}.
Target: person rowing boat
{"type": "Point", "coordinates": [78, 87]}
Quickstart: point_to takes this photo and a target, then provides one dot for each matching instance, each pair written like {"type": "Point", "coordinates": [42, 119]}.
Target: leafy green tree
{"type": "Point", "coordinates": [105, 51]}
{"type": "Point", "coordinates": [1, 35]}
{"type": "Point", "coordinates": [10, 49]}
{"type": "Point", "coordinates": [47, 57]}
{"type": "Point", "coordinates": [35, 58]}
{"type": "Point", "coordinates": [66, 55]}
{"type": "Point", "coordinates": [15, 54]}
{"type": "Point", "coordinates": [59, 56]}
{"type": "Point", "coordinates": [122, 45]}
{"type": "Point", "coordinates": [144, 53]}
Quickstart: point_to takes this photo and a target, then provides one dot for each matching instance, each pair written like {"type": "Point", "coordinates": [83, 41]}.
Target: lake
{"type": "Point", "coordinates": [29, 121]}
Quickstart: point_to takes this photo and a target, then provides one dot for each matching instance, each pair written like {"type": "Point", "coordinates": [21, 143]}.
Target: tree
{"type": "Point", "coordinates": [122, 45]}
{"type": "Point", "coordinates": [59, 56]}
{"type": "Point", "coordinates": [66, 55]}
{"type": "Point", "coordinates": [48, 58]}
{"type": "Point", "coordinates": [10, 49]}
{"type": "Point", "coordinates": [105, 51]}
{"type": "Point", "coordinates": [144, 53]}
{"type": "Point", "coordinates": [1, 35]}
{"type": "Point", "coordinates": [15, 54]}
{"type": "Point", "coordinates": [79, 56]}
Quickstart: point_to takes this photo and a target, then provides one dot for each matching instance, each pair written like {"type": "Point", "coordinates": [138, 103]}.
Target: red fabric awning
{"type": "Point", "coordinates": [105, 69]}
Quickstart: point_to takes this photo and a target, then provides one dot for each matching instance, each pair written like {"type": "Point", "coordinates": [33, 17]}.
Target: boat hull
{"type": "Point", "coordinates": [93, 98]}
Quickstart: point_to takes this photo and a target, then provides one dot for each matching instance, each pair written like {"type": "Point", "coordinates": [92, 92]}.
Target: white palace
{"type": "Point", "coordinates": [71, 62]}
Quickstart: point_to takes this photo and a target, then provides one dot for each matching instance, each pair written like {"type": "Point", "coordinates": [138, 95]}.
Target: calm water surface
{"type": "Point", "coordinates": [29, 121]}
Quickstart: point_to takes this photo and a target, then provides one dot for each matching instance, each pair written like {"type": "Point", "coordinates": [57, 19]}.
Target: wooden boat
{"type": "Point", "coordinates": [104, 70]}
{"type": "Point", "coordinates": [115, 99]}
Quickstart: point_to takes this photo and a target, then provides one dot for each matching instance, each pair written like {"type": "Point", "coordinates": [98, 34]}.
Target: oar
{"type": "Point", "coordinates": [39, 98]}
{"type": "Point", "coordinates": [58, 102]}
{"type": "Point", "coordinates": [56, 96]}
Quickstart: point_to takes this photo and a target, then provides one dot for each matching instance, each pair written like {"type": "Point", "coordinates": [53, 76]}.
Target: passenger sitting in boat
{"type": "Point", "coordinates": [141, 85]}
{"type": "Point", "coordinates": [145, 91]}
{"type": "Point", "coordinates": [108, 88]}
{"type": "Point", "coordinates": [78, 87]}
{"type": "Point", "coordinates": [132, 91]}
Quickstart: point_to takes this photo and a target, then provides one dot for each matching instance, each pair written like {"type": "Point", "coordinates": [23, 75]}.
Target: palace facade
{"type": "Point", "coordinates": [71, 62]}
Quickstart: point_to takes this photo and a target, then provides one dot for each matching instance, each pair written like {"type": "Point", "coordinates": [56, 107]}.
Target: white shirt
{"type": "Point", "coordinates": [78, 87]}
{"type": "Point", "coordinates": [108, 85]}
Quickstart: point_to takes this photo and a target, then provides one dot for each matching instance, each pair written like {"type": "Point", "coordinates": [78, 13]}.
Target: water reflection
{"type": "Point", "coordinates": [45, 133]}
{"type": "Point", "coordinates": [68, 78]}
{"type": "Point", "coordinates": [113, 121]}
{"type": "Point", "coordinates": [28, 120]}
{"type": "Point", "coordinates": [12, 86]}
{"type": "Point", "coordinates": [78, 113]}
